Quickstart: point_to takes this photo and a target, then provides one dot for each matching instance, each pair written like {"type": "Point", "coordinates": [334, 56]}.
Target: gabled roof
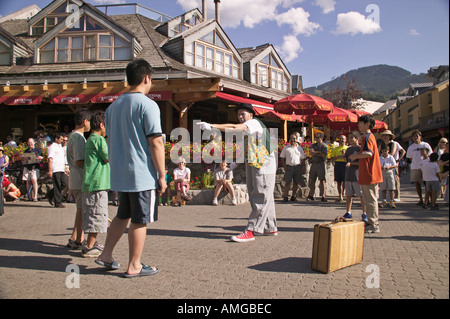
{"type": "Point", "coordinates": [259, 53]}
{"type": "Point", "coordinates": [389, 105]}
{"type": "Point", "coordinates": [15, 40]}
{"type": "Point", "coordinates": [201, 30]}
{"type": "Point", "coordinates": [89, 10]}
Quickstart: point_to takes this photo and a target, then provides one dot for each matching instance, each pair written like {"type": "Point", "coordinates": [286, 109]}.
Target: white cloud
{"type": "Point", "coordinates": [298, 19]}
{"type": "Point", "coordinates": [290, 48]}
{"type": "Point", "coordinates": [354, 22]}
{"type": "Point", "coordinates": [326, 5]}
{"type": "Point", "coordinates": [414, 32]}
{"type": "Point", "coordinates": [235, 12]}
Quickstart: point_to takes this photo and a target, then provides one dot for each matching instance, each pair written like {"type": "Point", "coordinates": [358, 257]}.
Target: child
{"type": "Point", "coordinates": [10, 189]}
{"type": "Point", "coordinates": [388, 165]}
{"type": "Point", "coordinates": [96, 183]}
{"type": "Point", "coordinates": [351, 177]}
{"type": "Point", "coordinates": [223, 178]}
{"type": "Point", "coordinates": [431, 176]}
{"type": "Point", "coordinates": [182, 176]}
{"type": "Point", "coordinates": [165, 197]}
{"type": "Point", "coordinates": [369, 172]}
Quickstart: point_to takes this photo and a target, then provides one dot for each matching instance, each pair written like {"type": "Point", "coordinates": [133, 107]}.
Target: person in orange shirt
{"type": "Point", "coordinates": [370, 174]}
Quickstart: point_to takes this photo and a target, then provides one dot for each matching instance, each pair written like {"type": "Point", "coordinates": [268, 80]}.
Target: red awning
{"type": "Point", "coordinates": [105, 98]}
{"type": "Point", "coordinates": [21, 100]}
{"type": "Point", "coordinates": [72, 98]}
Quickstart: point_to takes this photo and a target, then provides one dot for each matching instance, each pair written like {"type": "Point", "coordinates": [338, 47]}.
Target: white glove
{"type": "Point", "coordinates": [204, 126]}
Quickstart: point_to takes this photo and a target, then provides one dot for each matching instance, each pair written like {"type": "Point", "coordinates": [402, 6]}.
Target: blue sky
{"type": "Point", "coordinates": [321, 39]}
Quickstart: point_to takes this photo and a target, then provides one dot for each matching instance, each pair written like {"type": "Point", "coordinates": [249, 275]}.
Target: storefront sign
{"type": "Point", "coordinates": [21, 100]}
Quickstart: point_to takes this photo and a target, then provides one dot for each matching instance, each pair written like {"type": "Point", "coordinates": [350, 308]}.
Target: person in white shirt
{"type": "Point", "coordinates": [388, 166]}
{"type": "Point", "coordinates": [431, 176]}
{"type": "Point", "coordinates": [181, 177]}
{"type": "Point", "coordinates": [260, 171]}
{"type": "Point", "coordinates": [292, 159]}
{"type": "Point", "coordinates": [413, 153]}
{"type": "Point", "coordinates": [57, 170]}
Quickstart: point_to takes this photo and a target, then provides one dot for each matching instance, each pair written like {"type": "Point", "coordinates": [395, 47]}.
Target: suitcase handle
{"type": "Point", "coordinates": [340, 219]}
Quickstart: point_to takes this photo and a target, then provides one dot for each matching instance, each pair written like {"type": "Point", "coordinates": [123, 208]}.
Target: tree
{"type": "Point", "coordinates": [347, 98]}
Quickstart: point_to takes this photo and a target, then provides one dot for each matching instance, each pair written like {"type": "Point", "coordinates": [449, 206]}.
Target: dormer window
{"type": "Point", "coordinates": [211, 53]}
{"type": "Point", "coordinates": [183, 26]}
{"type": "Point", "coordinates": [93, 47]}
{"type": "Point", "coordinates": [268, 73]}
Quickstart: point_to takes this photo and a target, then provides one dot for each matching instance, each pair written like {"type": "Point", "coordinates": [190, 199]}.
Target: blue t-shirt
{"type": "Point", "coordinates": [129, 121]}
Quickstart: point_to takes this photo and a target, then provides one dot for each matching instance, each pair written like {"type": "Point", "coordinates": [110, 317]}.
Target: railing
{"type": "Point", "coordinates": [435, 120]}
{"type": "Point", "coordinates": [113, 9]}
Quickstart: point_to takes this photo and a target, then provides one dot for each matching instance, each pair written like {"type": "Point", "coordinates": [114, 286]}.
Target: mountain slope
{"type": "Point", "coordinates": [377, 82]}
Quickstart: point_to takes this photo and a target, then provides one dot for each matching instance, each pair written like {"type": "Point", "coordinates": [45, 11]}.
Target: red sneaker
{"type": "Point", "coordinates": [244, 237]}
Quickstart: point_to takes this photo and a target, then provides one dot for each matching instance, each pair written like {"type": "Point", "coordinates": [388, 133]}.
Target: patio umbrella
{"type": "Point", "coordinates": [303, 104]}
{"type": "Point", "coordinates": [358, 112]}
{"type": "Point", "coordinates": [336, 119]}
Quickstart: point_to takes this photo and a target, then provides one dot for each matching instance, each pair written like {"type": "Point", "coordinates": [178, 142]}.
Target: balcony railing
{"type": "Point", "coordinates": [434, 121]}
{"type": "Point", "coordinates": [112, 9]}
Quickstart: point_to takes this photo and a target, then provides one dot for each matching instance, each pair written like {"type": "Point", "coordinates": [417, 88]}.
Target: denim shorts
{"type": "Point", "coordinates": [141, 207]}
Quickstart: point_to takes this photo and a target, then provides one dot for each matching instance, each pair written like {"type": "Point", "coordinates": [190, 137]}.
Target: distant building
{"type": "Point", "coordinates": [425, 107]}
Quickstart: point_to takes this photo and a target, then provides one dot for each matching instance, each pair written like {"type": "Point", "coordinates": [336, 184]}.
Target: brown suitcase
{"type": "Point", "coordinates": [337, 245]}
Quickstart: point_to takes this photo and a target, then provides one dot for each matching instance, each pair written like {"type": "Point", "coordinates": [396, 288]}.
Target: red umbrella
{"type": "Point", "coordinates": [303, 104]}
{"type": "Point", "coordinates": [336, 119]}
{"type": "Point", "coordinates": [358, 112]}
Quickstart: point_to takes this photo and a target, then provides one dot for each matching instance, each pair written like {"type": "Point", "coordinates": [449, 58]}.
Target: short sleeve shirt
{"type": "Point", "coordinates": [351, 172]}
{"type": "Point", "coordinates": [129, 121]}
{"type": "Point", "coordinates": [254, 128]}
{"type": "Point", "coordinates": [226, 174]}
{"type": "Point", "coordinates": [96, 167]}
{"type": "Point", "coordinates": [369, 168]}
{"type": "Point", "coordinates": [413, 153]}
{"type": "Point", "coordinates": [75, 152]}
{"type": "Point", "coordinates": [323, 148]}
{"type": "Point", "coordinates": [56, 152]}
{"type": "Point", "coordinates": [293, 154]}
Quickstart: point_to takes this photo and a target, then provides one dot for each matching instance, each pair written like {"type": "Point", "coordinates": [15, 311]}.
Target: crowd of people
{"type": "Point", "coordinates": [428, 167]}
{"type": "Point", "coordinates": [132, 163]}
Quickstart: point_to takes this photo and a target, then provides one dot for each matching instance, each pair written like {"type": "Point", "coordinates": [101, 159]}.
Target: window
{"type": "Point", "coordinates": [121, 49]}
{"type": "Point", "coordinates": [48, 53]}
{"type": "Point", "coordinates": [268, 73]}
{"type": "Point", "coordinates": [91, 47]}
{"type": "Point", "coordinates": [5, 54]}
{"type": "Point", "coordinates": [90, 51]}
{"type": "Point", "coordinates": [211, 53]}
{"type": "Point", "coordinates": [104, 45]}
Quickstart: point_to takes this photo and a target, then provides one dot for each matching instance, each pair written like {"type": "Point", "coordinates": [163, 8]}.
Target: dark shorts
{"type": "Point", "coordinates": [141, 207]}
{"type": "Point", "coordinates": [339, 171]}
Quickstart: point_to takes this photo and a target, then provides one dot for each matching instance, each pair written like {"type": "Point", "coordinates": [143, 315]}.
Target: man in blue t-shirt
{"type": "Point", "coordinates": [136, 158]}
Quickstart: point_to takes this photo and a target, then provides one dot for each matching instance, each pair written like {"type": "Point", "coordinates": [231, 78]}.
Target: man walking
{"type": "Point", "coordinates": [56, 169]}
{"type": "Point", "coordinates": [136, 157]}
